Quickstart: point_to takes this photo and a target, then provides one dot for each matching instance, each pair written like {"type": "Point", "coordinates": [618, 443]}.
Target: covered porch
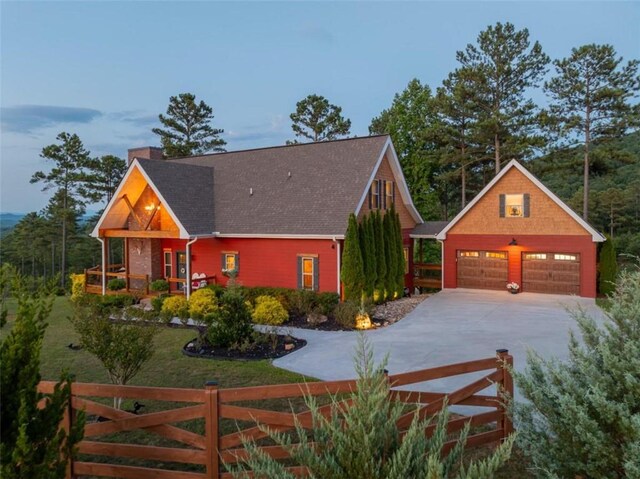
{"type": "Point", "coordinates": [427, 264]}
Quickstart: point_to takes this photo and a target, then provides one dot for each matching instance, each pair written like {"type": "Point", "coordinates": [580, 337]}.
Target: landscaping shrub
{"type": "Point", "coordinates": [77, 286]}
{"type": "Point", "coordinates": [268, 310]}
{"type": "Point", "coordinates": [115, 301]}
{"type": "Point", "coordinates": [345, 314]}
{"type": "Point", "coordinates": [116, 284]}
{"type": "Point", "coordinates": [303, 302]}
{"type": "Point", "coordinates": [327, 302]}
{"type": "Point", "coordinates": [202, 302]}
{"type": "Point", "coordinates": [582, 417]}
{"type": "Point", "coordinates": [363, 441]}
{"type": "Point", "coordinates": [608, 267]}
{"type": "Point", "coordinates": [159, 285]}
{"type": "Point", "coordinates": [230, 323]}
{"type": "Point", "coordinates": [352, 270]}
{"type": "Point", "coordinates": [217, 289]}
{"type": "Point", "coordinates": [157, 302]}
{"type": "Point", "coordinates": [175, 306]}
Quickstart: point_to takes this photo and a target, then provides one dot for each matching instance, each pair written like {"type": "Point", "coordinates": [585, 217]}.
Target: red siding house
{"type": "Point", "coordinates": [277, 216]}
{"type": "Point", "coordinates": [516, 230]}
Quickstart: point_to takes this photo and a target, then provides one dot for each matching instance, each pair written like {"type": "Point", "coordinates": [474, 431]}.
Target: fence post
{"type": "Point", "coordinates": [505, 389]}
{"type": "Point", "coordinates": [212, 430]}
{"type": "Point", "coordinates": [67, 424]}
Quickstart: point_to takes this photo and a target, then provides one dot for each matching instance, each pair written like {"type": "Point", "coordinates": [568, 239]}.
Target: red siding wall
{"type": "Point", "coordinates": [263, 262]}
{"type": "Point", "coordinates": [541, 244]}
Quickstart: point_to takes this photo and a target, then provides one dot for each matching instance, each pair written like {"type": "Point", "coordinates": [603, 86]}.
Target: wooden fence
{"type": "Point", "coordinates": [228, 417]}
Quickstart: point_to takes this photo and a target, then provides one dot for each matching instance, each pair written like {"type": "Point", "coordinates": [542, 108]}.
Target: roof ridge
{"type": "Point", "coordinates": [278, 146]}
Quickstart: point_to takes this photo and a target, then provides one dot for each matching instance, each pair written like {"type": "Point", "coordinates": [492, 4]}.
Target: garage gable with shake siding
{"type": "Point", "coordinates": [517, 230]}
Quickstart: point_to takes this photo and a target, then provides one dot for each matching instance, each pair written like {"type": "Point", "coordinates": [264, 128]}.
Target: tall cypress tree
{"type": "Point", "coordinates": [381, 262]}
{"type": "Point", "coordinates": [371, 270]}
{"type": "Point", "coordinates": [390, 257]}
{"type": "Point", "coordinates": [398, 250]}
{"type": "Point", "coordinates": [352, 272]}
{"type": "Point", "coordinates": [608, 267]}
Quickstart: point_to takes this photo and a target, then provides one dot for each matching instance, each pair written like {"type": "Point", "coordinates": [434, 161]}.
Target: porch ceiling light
{"type": "Point", "coordinates": [513, 242]}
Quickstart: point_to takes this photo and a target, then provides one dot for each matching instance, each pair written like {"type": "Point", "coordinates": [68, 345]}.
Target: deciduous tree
{"type": "Point", "coordinates": [187, 128]}
{"type": "Point", "coordinates": [591, 100]}
{"type": "Point", "coordinates": [318, 120]}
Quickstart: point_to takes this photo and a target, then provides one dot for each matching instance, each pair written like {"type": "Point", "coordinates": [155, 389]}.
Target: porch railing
{"type": "Point", "coordinates": [427, 275]}
{"type": "Point", "coordinates": [93, 280]}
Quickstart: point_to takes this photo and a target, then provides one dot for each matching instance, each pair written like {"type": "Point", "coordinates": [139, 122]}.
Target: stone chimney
{"type": "Point", "coordinates": [145, 152]}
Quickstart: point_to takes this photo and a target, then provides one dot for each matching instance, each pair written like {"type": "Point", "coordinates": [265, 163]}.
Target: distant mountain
{"type": "Point", "coordinates": [9, 220]}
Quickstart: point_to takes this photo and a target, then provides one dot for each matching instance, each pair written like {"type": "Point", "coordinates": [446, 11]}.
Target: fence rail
{"type": "Point", "coordinates": [205, 451]}
{"type": "Point", "coordinates": [427, 275]}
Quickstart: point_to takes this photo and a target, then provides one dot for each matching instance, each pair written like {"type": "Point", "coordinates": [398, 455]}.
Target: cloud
{"type": "Point", "coordinates": [136, 117]}
{"type": "Point", "coordinates": [27, 118]}
{"type": "Point", "coordinates": [273, 130]}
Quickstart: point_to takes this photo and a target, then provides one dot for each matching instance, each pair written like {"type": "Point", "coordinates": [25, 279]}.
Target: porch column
{"type": "Point", "coordinates": [104, 252]}
{"type": "Point", "coordinates": [125, 260]}
{"type": "Point", "coordinates": [188, 282]}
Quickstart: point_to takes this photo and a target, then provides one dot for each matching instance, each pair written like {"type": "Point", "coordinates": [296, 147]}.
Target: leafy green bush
{"type": "Point", "coordinates": [202, 302]}
{"type": "Point", "coordinates": [175, 306]}
{"type": "Point", "coordinates": [217, 289]}
{"type": "Point", "coordinates": [302, 302]}
{"type": "Point", "coordinates": [268, 310]}
{"type": "Point", "coordinates": [230, 323]}
{"type": "Point", "coordinates": [363, 440]}
{"type": "Point", "coordinates": [327, 302]}
{"type": "Point", "coordinates": [345, 314]}
{"type": "Point", "coordinates": [159, 285]}
{"type": "Point", "coordinates": [115, 301]}
{"type": "Point", "coordinates": [157, 301]}
{"type": "Point", "coordinates": [582, 417]}
{"type": "Point", "coordinates": [116, 284]}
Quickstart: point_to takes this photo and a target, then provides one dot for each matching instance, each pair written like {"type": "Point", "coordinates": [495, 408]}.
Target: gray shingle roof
{"type": "Point", "coordinates": [429, 228]}
{"type": "Point", "coordinates": [188, 190]}
{"type": "Point", "coordinates": [306, 189]}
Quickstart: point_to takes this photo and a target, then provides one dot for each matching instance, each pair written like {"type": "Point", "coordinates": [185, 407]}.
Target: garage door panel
{"type": "Point", "coordinates": [482, 269]}
{"type": "Point", "coordinates": [551, 273]}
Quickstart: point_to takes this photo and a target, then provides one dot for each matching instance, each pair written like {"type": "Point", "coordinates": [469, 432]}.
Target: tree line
{"type": "Point", "coordinates": [450, 141]}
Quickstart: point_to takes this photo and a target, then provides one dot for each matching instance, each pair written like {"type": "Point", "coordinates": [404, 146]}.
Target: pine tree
{"type": "Point", "coordinates": [381, 260]}
{"type": "Point", "coordinates": [318, 120]}
{"type": "Point", "coordinates": [188, 129]}
{"type": "Point", "coordinates": [32, 442]}
{"type": "Point", "coordinates": [505, 66]}
{"type": "Point", "coordinates": [352, 272]}
{"type": "Point", "coordinates": [69, 178]}
{"type": "Point", "coordinates": [608, 267]}
{"type": "Point", "coordinates": [591, 97]}
{"type": "Point", "coordinates": [362, 441]}
{"type": "Point", "coordinates": [582, 416]}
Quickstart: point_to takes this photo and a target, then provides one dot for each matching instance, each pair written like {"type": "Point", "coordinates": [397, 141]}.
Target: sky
{"type": "Point", "coordinates": [105, 70]}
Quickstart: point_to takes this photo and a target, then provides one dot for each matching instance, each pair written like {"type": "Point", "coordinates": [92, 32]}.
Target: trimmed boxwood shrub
{"type": "Point", "coordinates": [156, 302]}
{"type": "Point", "coordinates": [327, 302]}
{"type": "Point", "coordinates": [268, 310]}
{"type": "Point", "coordinates": [116, 284]}
{"type": "Point", "coordinates": [345, 314]}
{"type": "Point", "coordinates": [217, 289]}
{"type": "Point", "coordinates": [116, 301]}
{"type": "Point", "coordinates": [159, 285]}
{"type": "Point", "coordinates": [202, 302]}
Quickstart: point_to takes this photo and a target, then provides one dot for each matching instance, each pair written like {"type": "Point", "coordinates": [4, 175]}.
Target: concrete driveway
{"type": "Point", "coordinates": [449, 327]}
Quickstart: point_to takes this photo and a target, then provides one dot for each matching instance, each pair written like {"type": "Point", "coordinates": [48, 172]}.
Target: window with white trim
{"type": "Point", "coordinates": [514, 206]}
{"type": "Point", "coordinates": [229, 262]}
{"type": "Point", "coordinates": [565, 257]}
{"type": "Point", "coordinates": [308, 273]}
{"type": "Point", "coordinates": [375, 194]}
{"type": "Point", "coordinates": [168, 267]}
{"type": "Point", "coordinates": [388, 191]}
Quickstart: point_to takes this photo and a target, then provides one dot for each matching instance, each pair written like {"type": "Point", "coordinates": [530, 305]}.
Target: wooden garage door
{"type": "Point", "coordinates": [482, 269]}
{"type": "Point", "coordinates": [556, 273]}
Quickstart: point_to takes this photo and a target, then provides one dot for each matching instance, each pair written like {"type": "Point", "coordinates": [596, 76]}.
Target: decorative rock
{"type": "Point", "coordinates": [316, 318]}
{"type": "Point", "coordinates": [289, 346]}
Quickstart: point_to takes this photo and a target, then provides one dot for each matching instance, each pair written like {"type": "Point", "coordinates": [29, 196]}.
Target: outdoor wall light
{"type": "Point", "coordinates": [513, 242]}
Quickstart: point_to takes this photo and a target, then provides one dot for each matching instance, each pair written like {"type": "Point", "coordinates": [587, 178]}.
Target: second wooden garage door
{"type": "Point", "coordinates": [482, 269]}
{"type": "Point", "coordinates": [555, 273]}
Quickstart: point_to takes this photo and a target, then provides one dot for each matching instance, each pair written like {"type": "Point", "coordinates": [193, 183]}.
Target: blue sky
{"type": "Point", "coordinates": [104, 70]}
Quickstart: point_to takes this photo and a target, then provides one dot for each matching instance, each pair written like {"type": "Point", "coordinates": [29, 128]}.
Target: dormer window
{"type": "Point", "coordinates": [514, 205]}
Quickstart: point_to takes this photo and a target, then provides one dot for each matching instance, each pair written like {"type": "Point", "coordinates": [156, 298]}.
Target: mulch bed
{"type": "Point", "coordinates": [257, 351]}
{"type": "Point", "coordinates": [383, 315]}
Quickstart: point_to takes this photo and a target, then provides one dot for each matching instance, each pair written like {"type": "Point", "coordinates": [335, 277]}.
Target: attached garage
{"type": "Point", "coordinates": [482, 269]}
{"type": "Point", "coordinates": [556, 273]}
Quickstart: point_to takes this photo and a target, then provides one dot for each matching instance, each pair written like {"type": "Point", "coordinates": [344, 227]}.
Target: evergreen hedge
{"type": "Point", "coordinates": [352, 272]}
{"type": "Point", "coordinates": [608, 267]}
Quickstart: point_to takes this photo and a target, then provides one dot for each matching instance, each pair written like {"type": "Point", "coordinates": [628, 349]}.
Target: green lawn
{"type": "Point", "coordinates": [168, 367]}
